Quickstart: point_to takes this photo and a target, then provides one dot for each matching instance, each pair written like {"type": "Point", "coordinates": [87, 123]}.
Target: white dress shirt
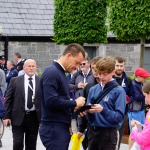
{"type": "Point", "coordinates": [26, 83]}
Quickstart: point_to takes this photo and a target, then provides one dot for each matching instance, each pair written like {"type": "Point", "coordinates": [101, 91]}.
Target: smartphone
{"type": "Point", "coordinates": [139, 127]}
{"type": "Point", "coordinates": [85, 107]}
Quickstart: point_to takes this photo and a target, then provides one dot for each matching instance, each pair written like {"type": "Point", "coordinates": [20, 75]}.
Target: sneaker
{"type": "Point", "coordinates": [0, 143]}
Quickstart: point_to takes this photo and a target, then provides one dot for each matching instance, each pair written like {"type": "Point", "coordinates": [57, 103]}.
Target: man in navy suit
{"type": "Point", "coordinates": [23, 107]}
{"type": "Point", "coordinates": [12, 72]}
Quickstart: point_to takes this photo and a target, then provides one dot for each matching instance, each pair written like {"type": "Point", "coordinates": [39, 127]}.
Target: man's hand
{"type": "Point", "coordinates": [81, 85]}
{"type": "Point", "coordinates": [7, 122]}
{"type": "Point", "coordinates": [134, 128]}
{"type": "Point", "coordinates": [80, 102]}
{"type": "Point", "coordinates": [79, 134]}
{"type": "Point", "coordinates": [96, 108]}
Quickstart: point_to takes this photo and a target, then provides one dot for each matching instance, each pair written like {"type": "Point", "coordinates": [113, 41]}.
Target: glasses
{"type": "Point", "coordinates": [82, 64]}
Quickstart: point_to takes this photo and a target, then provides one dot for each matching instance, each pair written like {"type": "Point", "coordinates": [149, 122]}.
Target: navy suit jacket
{"type": "Point", "coordinates": [56, 103]}
{"type": "Point", "coordinates": [12, 73]}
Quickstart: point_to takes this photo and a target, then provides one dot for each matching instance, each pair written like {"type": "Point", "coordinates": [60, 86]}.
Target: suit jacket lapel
{"type": "Point", "coordinates": [37, 80]}
{"type": "Point", "coordinates": [22, 86]}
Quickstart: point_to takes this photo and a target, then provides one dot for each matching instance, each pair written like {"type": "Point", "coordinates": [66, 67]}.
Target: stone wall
{"type": "Point", "coordinates": [44, 53]}
{"type": "Point", "coordinates": [1, 47]}
{"type": "Point", "coordinates": [131, 53]}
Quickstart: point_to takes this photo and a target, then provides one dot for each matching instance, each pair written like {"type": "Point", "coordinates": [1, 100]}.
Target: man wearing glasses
{"type": "Point", "coordinates": [79, 80]}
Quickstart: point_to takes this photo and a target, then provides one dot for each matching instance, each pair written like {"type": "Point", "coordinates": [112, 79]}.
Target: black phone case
{"type": "Point", "coordinates": [76, 113]}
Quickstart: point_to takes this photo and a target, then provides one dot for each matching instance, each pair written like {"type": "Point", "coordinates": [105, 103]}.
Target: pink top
{"type": "Point", "coordinates": [143, 137]}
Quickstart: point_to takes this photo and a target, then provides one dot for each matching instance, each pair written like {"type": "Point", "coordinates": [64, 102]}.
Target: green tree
{"type": "Point", "coordinates": [130, 20]}
{"type": "Point", "coordinates": [80, 21]}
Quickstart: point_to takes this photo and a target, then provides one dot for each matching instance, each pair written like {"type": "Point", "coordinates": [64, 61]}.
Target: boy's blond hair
{"type": "Point", "coordinates": [105, 65]}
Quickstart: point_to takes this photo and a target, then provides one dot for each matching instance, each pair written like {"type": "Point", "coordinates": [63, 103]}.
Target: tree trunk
{"type": "Point", "coordinates": [142, 49]}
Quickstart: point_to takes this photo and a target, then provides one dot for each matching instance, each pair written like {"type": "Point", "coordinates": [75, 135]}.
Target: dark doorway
{"type": "Point", "coordinates": [146, 59]}
{"type": "Point", "coordinates": [91, 50]}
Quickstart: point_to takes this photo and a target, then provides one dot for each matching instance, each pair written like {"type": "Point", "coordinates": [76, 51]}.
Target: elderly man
{"type": "Point", "coordinates": [23, 103]}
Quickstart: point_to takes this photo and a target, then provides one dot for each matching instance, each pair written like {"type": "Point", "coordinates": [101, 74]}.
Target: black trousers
{"type": "Point", "coordinates": [122, 128]}
{"type": "Point", "coordinates": [102, 138]}
{"type": "Point", "coordinates": [29, 130]}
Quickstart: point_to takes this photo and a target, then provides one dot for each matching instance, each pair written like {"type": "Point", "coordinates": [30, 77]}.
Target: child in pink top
{"type": "Point", "coordinates": [143, 137]}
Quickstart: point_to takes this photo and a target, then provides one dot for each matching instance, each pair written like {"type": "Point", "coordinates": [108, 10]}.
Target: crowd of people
{"type": "Point", "coordinates": [8, 70]}
{"type": "Point", "coordinates": [47, 104]}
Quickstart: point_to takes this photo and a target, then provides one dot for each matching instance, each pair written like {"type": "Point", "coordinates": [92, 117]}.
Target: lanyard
{"type": "Point", "coordinates": [123, 83]}
{"type": "Point", "coordinates": [32, 91]}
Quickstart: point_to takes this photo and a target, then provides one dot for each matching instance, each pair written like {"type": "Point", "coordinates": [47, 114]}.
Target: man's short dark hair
{"type": "Point", "coordinates": [119, 59]}
{"type": "Point", "coordinates": [74, 49]}
{"type": "Point", "coordinates": [17, 54]}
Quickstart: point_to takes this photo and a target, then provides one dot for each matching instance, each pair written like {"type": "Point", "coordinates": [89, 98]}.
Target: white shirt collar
{"type": "Point", "coordinates": [60, 65]}
{"type": "Point", "coordinates": [26, 83]}
{"type": "Point", "coordinates": [19, 60]}
{"type": "Point", "coordinates": [27, 77]}
{"type": "Point", "coordinates": [87, 72]}
{"type": "Point", "coordinates": [105, 84]}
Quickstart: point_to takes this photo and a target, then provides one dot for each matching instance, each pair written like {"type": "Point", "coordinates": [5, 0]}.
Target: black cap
{"type": "Point", "coordinates": [2, 57]}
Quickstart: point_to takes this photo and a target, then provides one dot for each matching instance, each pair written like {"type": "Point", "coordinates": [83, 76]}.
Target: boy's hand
{"type": "Point", "coordinates": [134, 122]}
{"type": "Point", "coordinates": [82, 114]}
{"type": "Point", "coordinates": [96, 108]}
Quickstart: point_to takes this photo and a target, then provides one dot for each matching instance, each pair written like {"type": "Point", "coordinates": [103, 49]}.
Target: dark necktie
{"type": "Point", "coordinates": [30, 94]}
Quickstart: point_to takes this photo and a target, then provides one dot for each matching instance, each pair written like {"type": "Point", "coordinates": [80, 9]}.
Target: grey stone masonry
{"type": "Point", "coordinates": [1, 46]}
{"type": "Point", "coordinates": [131, 53]}
{"type": "Point", "coordinates": [45, 52]}
{"type": "Point", "coordinates": [42, 53]}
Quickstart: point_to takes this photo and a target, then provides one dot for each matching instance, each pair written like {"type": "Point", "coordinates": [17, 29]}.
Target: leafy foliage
{"type": "Point", "coordinates": [80, 21]}
{"type": "Point", "coordinates": [132, 77]}
{"type": "Point", "coordinates": [39, 74]}
{"type": "Point", "coordinates": [130, 19]}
